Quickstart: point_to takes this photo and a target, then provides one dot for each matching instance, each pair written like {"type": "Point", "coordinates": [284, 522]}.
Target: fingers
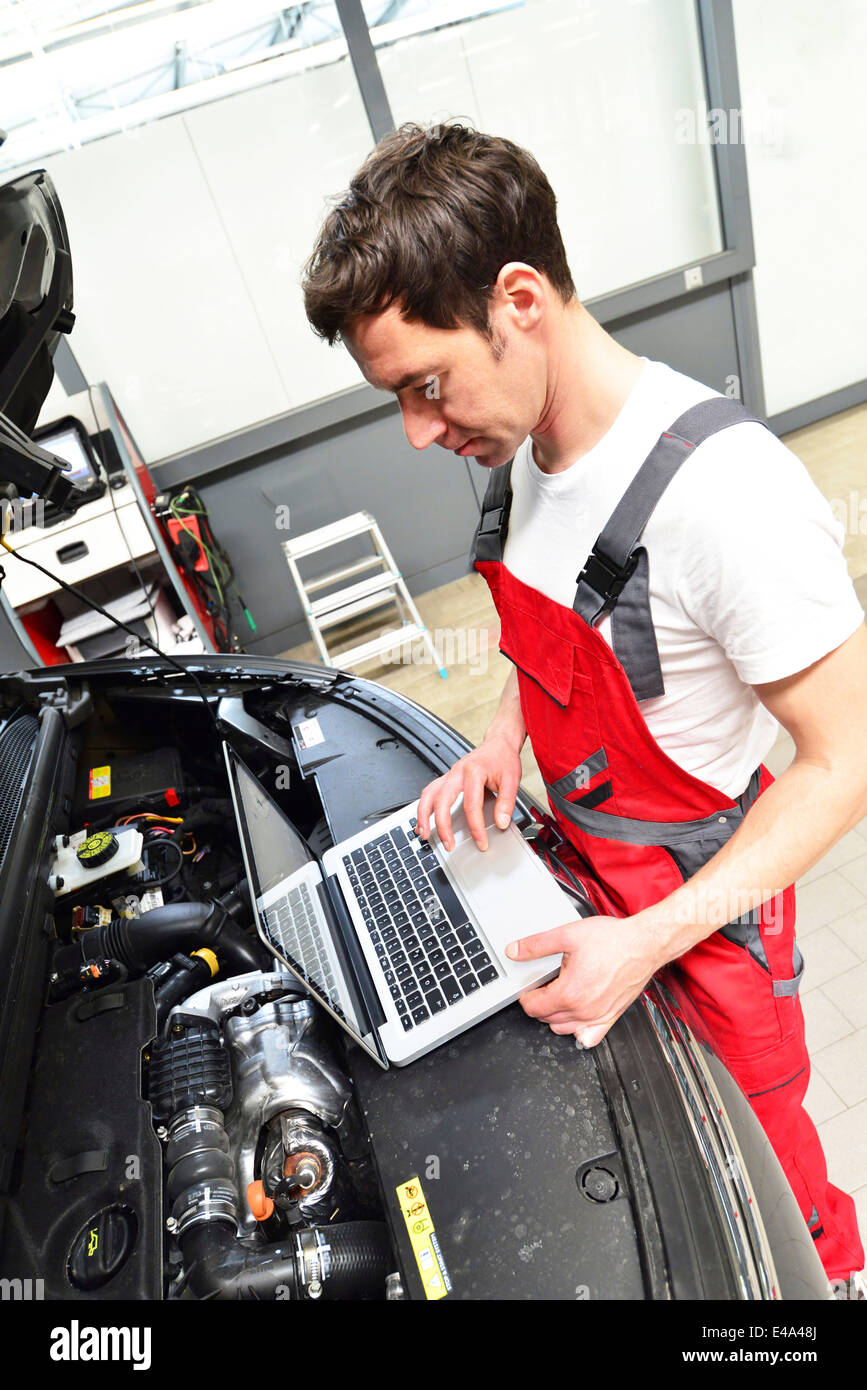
{"type": "Point", "coordinates": [435, 803]}
{"type": "Point", "coordinates": [586, 1036]}
{"type": "Point", "coordinates": [509, 783]}
{"type": "Point", "coordinates": [542, 943]}
{"type": "Point", "coordinates": [425, 805]}
{"type": "Point", "coordinates": [474, 801]}
{"type": "Point", "coordinates": [548, 1001]}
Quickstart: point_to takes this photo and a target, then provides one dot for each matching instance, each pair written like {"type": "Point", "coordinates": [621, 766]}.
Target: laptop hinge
{"type": "Point", "coordinates": [374, 1014]}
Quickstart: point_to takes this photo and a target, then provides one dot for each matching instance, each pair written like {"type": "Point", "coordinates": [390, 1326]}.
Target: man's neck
{"type": "Point", "coordinates": [590, 380]}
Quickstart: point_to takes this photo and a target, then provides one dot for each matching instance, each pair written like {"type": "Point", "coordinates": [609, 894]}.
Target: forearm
{"type": "Point", "coordinates": [786, 831]}
{"type": "Point", "coordinates": [508, 722]}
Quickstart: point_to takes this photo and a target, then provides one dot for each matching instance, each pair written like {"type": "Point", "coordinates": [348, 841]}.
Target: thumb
{"type": "Point", "coordinates": [589, 1037]}
{"type": "Point", "coordinates": [541, 943]}
{"type": "Point", "coordinates": [503, 811]}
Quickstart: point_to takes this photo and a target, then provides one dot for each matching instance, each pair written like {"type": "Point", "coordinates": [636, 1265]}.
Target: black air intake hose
{"type": "Point", "coordinates": [350, 1261]}
{"type": "Point", "coordinates": [137, 942]}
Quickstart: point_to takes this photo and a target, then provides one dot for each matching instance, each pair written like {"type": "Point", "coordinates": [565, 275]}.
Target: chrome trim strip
{"type": "Point", "coordinates": [743, 1227]}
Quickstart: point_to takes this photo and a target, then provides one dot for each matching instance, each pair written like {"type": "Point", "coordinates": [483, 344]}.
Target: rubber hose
{"type": "Point", "coordinates": [219, 1267]}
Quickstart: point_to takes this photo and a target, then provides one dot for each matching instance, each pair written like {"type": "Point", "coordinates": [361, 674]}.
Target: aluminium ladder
{"type": "Point", "coordinates": [386, 586]}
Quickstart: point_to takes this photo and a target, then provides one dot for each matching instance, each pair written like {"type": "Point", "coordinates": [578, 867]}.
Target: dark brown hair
{"type": "Point", "coordinates": [430, 219]}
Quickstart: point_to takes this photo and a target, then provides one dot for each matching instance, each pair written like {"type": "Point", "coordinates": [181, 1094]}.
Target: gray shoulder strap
{"type": "Point", "coordinates": [615, 576]}
{"type": "Point", "coordinates": [490, 536]}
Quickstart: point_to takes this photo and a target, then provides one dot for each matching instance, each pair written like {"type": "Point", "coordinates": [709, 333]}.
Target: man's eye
{"type": "Point", "coordinates": [424, 387]}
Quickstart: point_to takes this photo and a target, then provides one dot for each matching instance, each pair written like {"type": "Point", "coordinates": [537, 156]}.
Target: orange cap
{"type": "Point", "coordinates": [260, 1205]}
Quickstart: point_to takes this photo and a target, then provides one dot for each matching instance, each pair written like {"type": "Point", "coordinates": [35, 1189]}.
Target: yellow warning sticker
{"type": "Point", "coordinates": [422, 1238]}
{"type": "Point", "coordinates": [99, 783]}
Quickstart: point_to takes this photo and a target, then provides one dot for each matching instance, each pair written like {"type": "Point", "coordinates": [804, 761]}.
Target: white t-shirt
{"type": "Point", "coordinates": [747, 578]}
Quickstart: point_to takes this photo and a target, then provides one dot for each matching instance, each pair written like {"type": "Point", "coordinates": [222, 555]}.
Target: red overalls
{"type": "Point", "coordinates": [643, 825]}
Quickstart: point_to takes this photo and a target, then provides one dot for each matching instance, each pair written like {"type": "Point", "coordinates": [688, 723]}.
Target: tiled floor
{"type": "Point", "coordinates": [832, 897]}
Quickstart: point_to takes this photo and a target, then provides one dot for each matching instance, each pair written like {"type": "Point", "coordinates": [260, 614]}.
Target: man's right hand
{"type": "Point", "coordinates": [495, 764]}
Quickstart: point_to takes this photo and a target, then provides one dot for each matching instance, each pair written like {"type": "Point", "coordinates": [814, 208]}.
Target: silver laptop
{"type": "Point", "coordinates": [402, 943]}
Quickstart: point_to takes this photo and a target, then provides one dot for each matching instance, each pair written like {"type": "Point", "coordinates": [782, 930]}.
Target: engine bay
{"type": "Point", "coordinates": [180, 1120]}
{"type": "Point", "coordinates": [167, 1034]}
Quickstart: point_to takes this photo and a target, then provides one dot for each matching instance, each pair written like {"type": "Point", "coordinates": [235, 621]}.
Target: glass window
{"type": "Point", "coordinates": [75, 71]}
{"type": "Point", "coordinates": [191, 208]}
{"type": "Point", "coordinates": [609, 98]}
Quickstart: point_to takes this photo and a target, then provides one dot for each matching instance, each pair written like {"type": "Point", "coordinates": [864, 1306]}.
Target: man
{"type": "Point", "coordinates": [650, 673]}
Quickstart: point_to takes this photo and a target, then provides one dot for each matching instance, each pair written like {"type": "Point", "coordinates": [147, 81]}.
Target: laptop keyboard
{"type": "Point", "coordinates": [294, 922]}
{"type": "Point", "coordinates": [430, 953]}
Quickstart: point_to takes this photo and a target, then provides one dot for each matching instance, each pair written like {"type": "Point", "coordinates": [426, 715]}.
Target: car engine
{"type": "Point", "coordinates": [190, 1129]}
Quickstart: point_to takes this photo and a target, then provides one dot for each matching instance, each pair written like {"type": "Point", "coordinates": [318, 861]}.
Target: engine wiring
{"type": "Point", "coordinates": [192, 538]}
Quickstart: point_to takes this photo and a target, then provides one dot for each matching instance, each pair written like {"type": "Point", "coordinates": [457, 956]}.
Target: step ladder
{"type": "Point", "coordinates": [384, 587]}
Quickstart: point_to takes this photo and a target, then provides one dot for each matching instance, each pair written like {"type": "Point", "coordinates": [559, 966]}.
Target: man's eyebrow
{"type": "Point", "coordinates": [407, 379]}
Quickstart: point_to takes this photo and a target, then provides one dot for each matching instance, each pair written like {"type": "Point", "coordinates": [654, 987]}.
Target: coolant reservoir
{"type": "Point", "coordinates": [82, 859]}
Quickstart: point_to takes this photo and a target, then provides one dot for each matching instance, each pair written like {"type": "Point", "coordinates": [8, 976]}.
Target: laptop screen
{"type": "Point", "coordinates": [277, 848]}
{"type": "Point", "coordinates": [273, 851]}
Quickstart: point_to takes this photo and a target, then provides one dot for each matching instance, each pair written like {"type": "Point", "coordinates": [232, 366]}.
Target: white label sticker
{"type": "Point", "coordinates": [308, 733]}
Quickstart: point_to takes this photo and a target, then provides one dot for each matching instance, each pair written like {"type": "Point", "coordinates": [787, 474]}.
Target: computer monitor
{"type": "Point", "coordinates": [68, 439]}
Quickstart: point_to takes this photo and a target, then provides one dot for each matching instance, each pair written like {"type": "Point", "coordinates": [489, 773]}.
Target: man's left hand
{"type": "Point", "coordinates": [607, 961]}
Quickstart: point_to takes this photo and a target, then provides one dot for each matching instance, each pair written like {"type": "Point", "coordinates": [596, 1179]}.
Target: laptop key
{"type": "Point", "coordinates": [466, 933]}
{"type": "Point", "coordinates": [436, 956]}
{"type": "Point", "coordinates": [469, 983]}
{"type": "Point", "coordinates": [443, 969]}
{"type": "Point", "coordinates": [474, 947]}
{"type": "Point", "coordinates": [406, 1021]}
{"type": "Point", "coordinates": [400, 1005]}
{"type": "Point", "coordinates": [451, 989]}
{"type": "Point", "coordinates": [419, 1015]}
{"type": "Point", "coordinates": [417, 956]}
{"type": "Point", "coordinates": [404, 972]}
{"type": "Point", "coordinates": [462, 967]}
{"type": "Point", "coordinates": [435, 1001]}
{"type": "Point", "coordinates": [456, 954]}
{"type": "Point", "coordinates": [488, 974]}
{"type": "Point", "coordinates": [426, 982]}
{"type": "Point", "coordinates": [413, 1000]}
{"type": "Point", "coordinates": [480, 960]}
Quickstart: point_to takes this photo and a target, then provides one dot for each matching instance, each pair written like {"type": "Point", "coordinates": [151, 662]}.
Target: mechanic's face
{"type": "Point", "coordinates": [452, 388]}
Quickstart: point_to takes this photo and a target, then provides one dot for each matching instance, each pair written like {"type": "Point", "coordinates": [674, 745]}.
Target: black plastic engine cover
{"type": "Point", "coordinates": [90, 1149]}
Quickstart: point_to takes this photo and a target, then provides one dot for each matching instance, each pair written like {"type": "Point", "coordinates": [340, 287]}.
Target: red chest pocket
{"type": "Point", "coordinates": [557, 700]}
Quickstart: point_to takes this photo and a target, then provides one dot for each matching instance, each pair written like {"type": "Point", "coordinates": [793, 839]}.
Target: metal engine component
{"type": "Point", "coordinates": [298, 1166]}
{"type": "Point", "coordinates": [282, 1064]}
{"type": "Point", "coordinates": [286, 1079]}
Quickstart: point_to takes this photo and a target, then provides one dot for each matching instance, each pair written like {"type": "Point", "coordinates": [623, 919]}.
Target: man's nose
{"type": "Point", "coordinates": [424, 426]}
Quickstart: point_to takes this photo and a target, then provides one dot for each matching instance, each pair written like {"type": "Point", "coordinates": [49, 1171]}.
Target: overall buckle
{"type": "Point", "coordinates": [606, 577]}
{"type": "Point", "coordinates": [495, 518]}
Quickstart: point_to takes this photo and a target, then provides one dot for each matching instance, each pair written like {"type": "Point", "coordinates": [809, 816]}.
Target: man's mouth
{"type": "Point", "coordinates": [467, 448]}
